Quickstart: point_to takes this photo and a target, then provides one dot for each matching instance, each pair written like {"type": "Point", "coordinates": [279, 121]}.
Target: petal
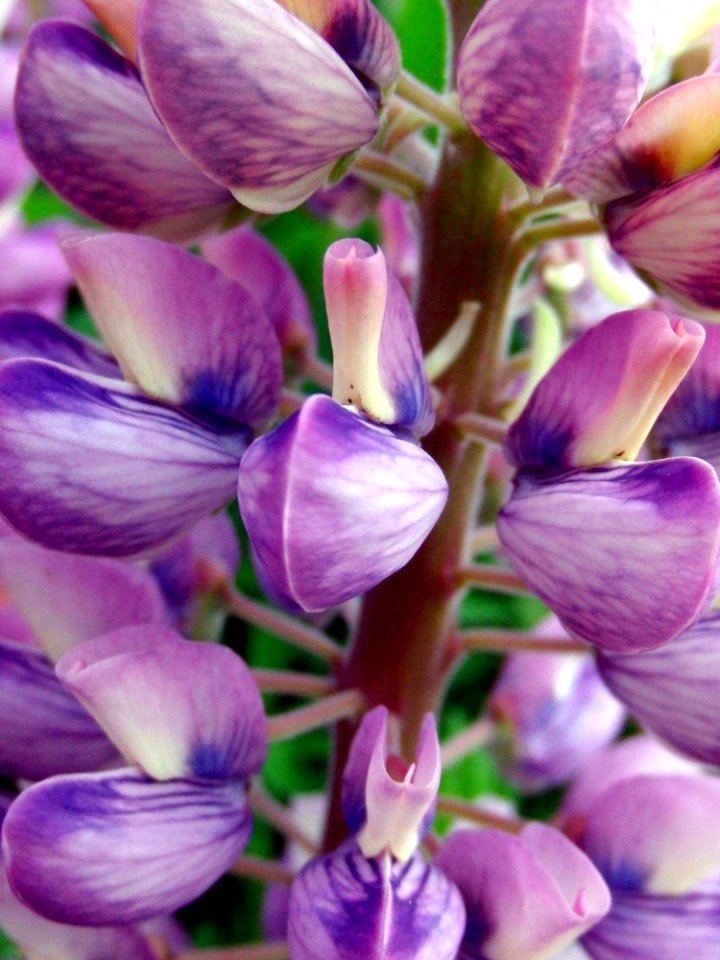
{"type": "Point", "coordinates": [45, 730]}
{"type": "Point", "coordinates": [672, 235]}
{"type": "Point", "coordinates": [685, 674]}
{"type": "Point", "coordinates": [246, 257]}
{"type": "Point", "coordinates": [655, 833]}
{"type": "Point", "coordinates": [35, 276]}
{"type": "Point", "coordinates": [386, 802]}
{"type": "Point", "coordinates": [357, 32]}
{"type": "Point", "coordinates": [78, 452]}
{"type": "Point", "coordinates": [114, 848]}
{"type": "Point", "coordinates": [181, 330]}
{"type": "Point", "coordinates": [343, 906]}
{"type": "Point", "coordinates": [665, 139]}
{"type": "Point", "coordinates": [67, 599]}
{"type": "Point", "coordinates": [175, 707]}
{"type": "Point", "coordinates": [600, 399]}
{"type": "Point", "coordinates": [285, 108]}
{"type": "Point", "coordinates": [377, 357]}
{"type": "Point", "coordinates": [557, 713]}
{"type": "Point", "coordinates": [86, 124]}
{"type": "Point", "coordinates": [615, 553]}
{"type": "Point", "coordinates": [497, 871]}
{"type": "Point", "coordinates": [334, 504]}
{"type": "Point", "coordinates": [15, 173]}
{"type": "Point", "coordinates": [545, 82]}
{"type": "Point", "coordinates": [650, 927]}
{"type": "Point", "coordinates": [635, 756]}
{"type": "Point", "coordinates": [694, 408]}
{"type": "Point", "coordinates": [119, 17]}
{"type": "Point", "coordinates": [25, 334]}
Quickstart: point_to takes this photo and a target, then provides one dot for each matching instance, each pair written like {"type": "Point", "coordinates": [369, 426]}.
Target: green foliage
{"type": "Point", "coordinates": [421, 28]}
{"type": "Point", "coordinates": [7, 950]}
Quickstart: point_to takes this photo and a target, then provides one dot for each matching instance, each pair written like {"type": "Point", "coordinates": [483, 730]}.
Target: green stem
{"type": "Point", "coordinates": [261, 951]}
{"type": "Point", "coordinates": [468, 810]}
{"type": "Point", "coordinates": [512, 641]}
{"type": "Point", "coordinates": [322, 713]}
{"type": "Point", "coordinates": [559, 230]}
{"type": "Point", "coordinates": [387, 174]}
{"type": "Point", "coordinates": [438, 107]}
{"type": "Point", "coordinates": [486, 577]}
{"type": "Point", "coordinates": [482, 429]}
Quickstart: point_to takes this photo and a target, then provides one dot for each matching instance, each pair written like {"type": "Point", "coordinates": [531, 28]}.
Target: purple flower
{"type": "Point", "coordinates": [643, 569]}
{"type": "Point", "coordinates": [207, 366]}
{"type": "Point", "coordinates": [155, 836]}
{"type": "Point", "coordinates": [546, 82]}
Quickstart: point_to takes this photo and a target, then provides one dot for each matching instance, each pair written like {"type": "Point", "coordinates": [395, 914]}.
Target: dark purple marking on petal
{"type": "Point", "coordinates": [118, 848]}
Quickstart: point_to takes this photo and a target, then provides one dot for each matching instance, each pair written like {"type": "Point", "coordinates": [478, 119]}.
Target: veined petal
{"type": "Point", "coordinates": [78, 451]}
{"type": "Point", "coordinates": [643, 568]}
{"type": "Point", "coordinates": [334, 504]}
{"type": "Point", "coordinates": [358, 33]}
{"type": "Point", "coordinates": [35, 276]}
{"type": "Point", "coordinates": [377, 357]}
{"type": "Point", "coordinates": [114, 848]}
{"type": "Point", "coordinates": [86, 124]}
{"type": "Point", "coordinates": [45, 730]}
{"type": "Point", "coordinates": [344, 906]}
{"type": "Point", "coordinates": [179, 328]}
{"type": "Point", "coordinates": [665, 139]}
{"type": "Point", "coordinates": [24, 334]}
{"type": "Point", "coordinates": [285, 107]}
{"type": "Point", "coordinates": [599, 401]}
{"type": "Point", "coordinates": [175, 707]}
{"type": "Point", "coordinates": [694, 408]}
{"type": "Point", "coordinates": [68, 599]}
{"type": "Point", "coordinates": [674, 690]}
{"type": "Point", "coordinates": [545, 82]}
{"type": "Point", "coordinates": [527, 896]}
{"type": "Point", "coordinates": [648, 926]}
{"type": "Point", "coordinates": [247, 257]}
{"type": "Point", "coordinates": [672, 235]}
{"type": "Point", "coordinates": [655, 833]}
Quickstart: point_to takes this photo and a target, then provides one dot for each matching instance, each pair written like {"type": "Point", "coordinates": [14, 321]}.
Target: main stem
{"type": "Point", "coordinates": [405, 643]}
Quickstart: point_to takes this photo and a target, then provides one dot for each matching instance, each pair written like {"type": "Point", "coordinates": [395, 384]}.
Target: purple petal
{"type": "Point", "coordinates": [635, 756]}
{"type": "Point", "coordinates": [86, 124]}
{"type": "Point", "coordinates": [644, 926]}
{"type": "Point", "coordinates": [600, 399]}
{"type": "Point", "coordinates": [557, 713]}
{"type": "Point", "coordinates": [665, 139]}
{"type": "Point", "coordinates": [284, 106]}
{"type": "Point", "coordinates": [114, 848]}
{"type": "Point", "coordinates": [539, 876]}
{"type": "Point", "coordinates": [388, 803]}
{"type": "Point", "coordinates": [15, 172]}
{"type": "Point", "coordinates": [45, 730]}
{"type": "Point", "coordinates": [694, 408]}
{"type": "Point", "coordinates": [655, 833]}
{"type": "Point", "coordinates": [35, 276]}
{"type": "Point", "coordinates": [28, 335]}
{"type": "Point", "coordinates": [614, 552]}
{"type": "Point", "coordinates": [672, 235]}
{"type": "Point", "coordinates": [68, 599]}
{"type": "Point", "coordinates": [246, 257]}
{"type": "Point", "coordinates": [78, 453]}
{"type": "Point", "coordinates": [175, 707]}
{"type": "Point", "coordinates": [334, 504]}
{"type": "Point", "coordinates": [343, 906]}
{"type": "Point", "coordinates": [377, 357]}
{"type": "Point", "coordinates": [674, 691]}
{"type": "Point", "coordinates": [357, 32]}
{"type": "Point", "coordinates": [545, 82]}
{"type": "Point", "coordinates": [181, 330]}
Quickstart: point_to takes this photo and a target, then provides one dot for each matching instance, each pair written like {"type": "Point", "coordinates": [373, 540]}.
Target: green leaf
{"type": "Point", "coordinates": [421, 28]}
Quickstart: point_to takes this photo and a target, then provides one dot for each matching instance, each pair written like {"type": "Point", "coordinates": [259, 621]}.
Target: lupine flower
{"type": "Point", "coordinates": [658, 181]}
{"type": "Point", "coordinates": [387, 903]}
{"type": "Point", "coordinates": [340, 495]}
{"type": "Point", "coordinates": [16, 172]}
{"type": "Point", "coordinates": [295, 88]}
{"type": "Point", "coordinates": [81, 443]}
{"type": "Point", "coordinates": [36, 276]}
{"type": "Point", "coordinates": [60, 600]}
{"type": "Point", "coordinates": [614, 586]}
{"type": "Point", "coordinates": [189, 718]}
{"type": "Point", "coordinates": [546, 82]}
{"type": "Point", "coordinates": [554, 713]}
{"type": "Point", "coordinates": [650, 825]}
{"type": "Point", "coordinates": [527, 897]}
